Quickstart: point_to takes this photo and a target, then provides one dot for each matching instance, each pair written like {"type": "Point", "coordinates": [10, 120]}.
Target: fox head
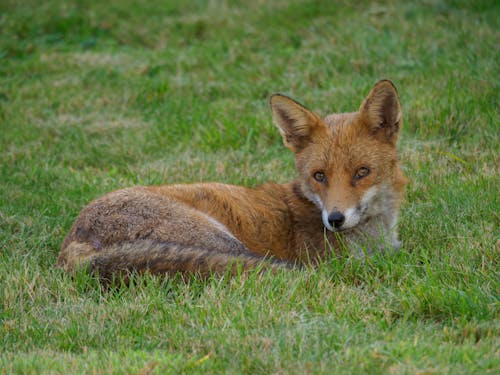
{"type": "Point", "coordinates": [348, 163]}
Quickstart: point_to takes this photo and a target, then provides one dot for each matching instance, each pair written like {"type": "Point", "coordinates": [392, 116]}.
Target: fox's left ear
{"type": "Point", "coordinates": [381, 111]}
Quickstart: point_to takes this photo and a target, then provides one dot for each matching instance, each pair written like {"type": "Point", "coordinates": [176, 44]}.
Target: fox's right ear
{"type": "Point", "coordinates": [295, 122]}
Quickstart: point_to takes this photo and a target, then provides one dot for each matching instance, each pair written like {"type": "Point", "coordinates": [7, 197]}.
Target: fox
{"type": "Point", "coordinates": [346, 199]}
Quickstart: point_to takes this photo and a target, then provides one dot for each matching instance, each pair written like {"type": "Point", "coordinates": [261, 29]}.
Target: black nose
{"type": "Point", "coordinates": [336, 219]}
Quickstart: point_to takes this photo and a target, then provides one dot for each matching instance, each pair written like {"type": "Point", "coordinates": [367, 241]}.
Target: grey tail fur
{"type": "Point", "coordinates": [149, 256]}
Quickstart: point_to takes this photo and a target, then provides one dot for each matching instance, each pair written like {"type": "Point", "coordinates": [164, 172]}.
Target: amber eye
{"type": "Point", "coordinates": [362, 172]}
{"type": "Point", "coordinates": [319, 176]}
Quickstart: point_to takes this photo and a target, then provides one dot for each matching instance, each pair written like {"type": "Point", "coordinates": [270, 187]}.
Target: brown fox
{"type": "Point", "coordinates": [347, 195]}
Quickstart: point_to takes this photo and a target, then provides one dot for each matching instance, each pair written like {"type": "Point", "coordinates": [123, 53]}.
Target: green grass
{"type": "Point", "coordinates": [95, 96]}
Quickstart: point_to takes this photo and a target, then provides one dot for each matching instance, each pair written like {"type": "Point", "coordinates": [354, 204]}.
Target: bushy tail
{"type": "Point", "coordinates": [148, 256]}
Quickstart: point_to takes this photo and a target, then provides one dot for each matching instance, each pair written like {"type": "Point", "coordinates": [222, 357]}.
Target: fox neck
{"type": "Point", "coordinates": [376, 233]}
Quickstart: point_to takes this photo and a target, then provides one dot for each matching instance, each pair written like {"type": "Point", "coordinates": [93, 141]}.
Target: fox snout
{"type": "Point", "coordinates": [336, 219]}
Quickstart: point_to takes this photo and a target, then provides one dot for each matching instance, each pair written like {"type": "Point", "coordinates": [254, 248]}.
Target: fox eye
{"type": "Point", "coordinates": [362, 172]}
{"type": "Point", "coordinates": [319, 176]}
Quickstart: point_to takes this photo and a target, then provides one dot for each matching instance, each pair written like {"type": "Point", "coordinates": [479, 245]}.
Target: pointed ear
{"type": "Point", "coordinates": [381, 111]}
{"type": "Point", "coordinates": [295, 122]}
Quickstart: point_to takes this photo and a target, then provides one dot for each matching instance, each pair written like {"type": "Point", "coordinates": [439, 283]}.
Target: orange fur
{"type": "Point", "coordinates": [350, 182]}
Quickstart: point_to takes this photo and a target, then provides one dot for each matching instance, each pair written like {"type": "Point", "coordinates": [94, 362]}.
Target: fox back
{"type": "Point", "coordinates": [347, 196]}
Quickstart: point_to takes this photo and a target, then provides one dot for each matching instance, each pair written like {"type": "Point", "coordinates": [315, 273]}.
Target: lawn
{"type": "Point", "coordinates": [96, 95]}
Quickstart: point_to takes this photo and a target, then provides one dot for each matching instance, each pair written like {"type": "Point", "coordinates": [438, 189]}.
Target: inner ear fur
{"type": "Point", "coordinates": [381, 111]}
{"type": "Point", "coordinates": [295, 122]}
